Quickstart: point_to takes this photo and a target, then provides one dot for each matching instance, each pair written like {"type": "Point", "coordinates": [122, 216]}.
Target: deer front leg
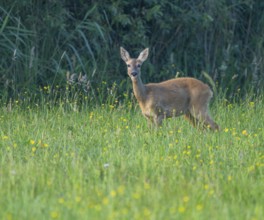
{"type": "Point", "coordinates": [149, 120]}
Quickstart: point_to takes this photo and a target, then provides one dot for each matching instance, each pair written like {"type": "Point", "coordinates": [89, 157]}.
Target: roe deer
{"type": "Point", "coordinates": [182, 96]}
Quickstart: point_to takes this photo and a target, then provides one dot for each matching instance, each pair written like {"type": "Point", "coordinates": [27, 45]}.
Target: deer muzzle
{"type": "Point", "coordinates": [134, 73]}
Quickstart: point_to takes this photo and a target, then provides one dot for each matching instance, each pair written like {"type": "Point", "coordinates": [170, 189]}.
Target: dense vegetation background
{"type": "Point", "coordinates": [41, 41]}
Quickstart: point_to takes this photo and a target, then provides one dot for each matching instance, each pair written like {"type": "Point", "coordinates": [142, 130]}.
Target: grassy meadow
{"type": "Point", "coordinates": [104, 162]}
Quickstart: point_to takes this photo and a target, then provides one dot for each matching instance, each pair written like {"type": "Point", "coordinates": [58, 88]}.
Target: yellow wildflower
{"type": "Point", "coordinates": [113, 193]}
{"type": "Point", "coordinates": [77, 199]}
{"type": "Point", "coordinates": [245, 133]}
{"type": "Point", "coordinates": [61, 200]}
{"type": "Point", "coordinates": [105, 201]}
{"type": "Point", "coordinates": [54, 214]}
{"type": "Point", "coordinates": [45, 145]}
{"type": "Point", "coordinates": [181, 209]}
{"type": "Point", "coordinates": [147, 212]}
{"type": "Point", "coordinates": [5, 137]}
{"type": "Point", "coordinates": [199, 207]}
{"type": "Point", "coordinates": [136, 195]}
{"type": "Point", "coordinates": [186, 199]}
{"type": "Point", "coordinates": [121, 189]}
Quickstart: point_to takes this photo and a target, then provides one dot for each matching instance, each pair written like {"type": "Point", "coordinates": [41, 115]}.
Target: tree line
{"type": "Point", "coordinates": [218, 41]}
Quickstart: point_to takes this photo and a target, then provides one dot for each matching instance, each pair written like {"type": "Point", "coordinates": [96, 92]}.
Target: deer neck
{"type": "Point", "coordinates": [139, 90]}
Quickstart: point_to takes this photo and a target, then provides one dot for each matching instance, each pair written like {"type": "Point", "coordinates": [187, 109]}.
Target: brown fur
{"type": "Point", "coordinates": [171, 98]}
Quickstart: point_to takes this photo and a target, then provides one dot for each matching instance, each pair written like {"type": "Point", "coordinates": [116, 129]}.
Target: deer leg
{"type": "Point", "coordinates": [205, 119]}
{"type": "Point", "coordinates": [149, 121]}
{"type": "Point", "coordinates": [191, 119]}
{"type": "Point", "coordinates": [208, 121]}
{"type": "Point", "coordinates": [158, 120]}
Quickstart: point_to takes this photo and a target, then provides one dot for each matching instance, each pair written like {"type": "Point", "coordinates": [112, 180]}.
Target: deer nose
{"type": "Point", "coordinates": [134, 73]}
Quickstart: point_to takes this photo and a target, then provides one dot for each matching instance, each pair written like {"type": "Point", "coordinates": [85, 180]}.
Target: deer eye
{"type": "Point", "coordinates": [138, 65]}
{"type": "Point", "coordinates": [128, 65]}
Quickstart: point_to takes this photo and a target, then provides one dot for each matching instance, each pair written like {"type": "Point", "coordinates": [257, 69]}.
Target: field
{"type": "Point", "coordinates": [104, 162]}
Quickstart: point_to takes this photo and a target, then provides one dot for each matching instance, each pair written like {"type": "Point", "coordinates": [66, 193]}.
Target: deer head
{"type": "Point", "coordinates": [134, 65]}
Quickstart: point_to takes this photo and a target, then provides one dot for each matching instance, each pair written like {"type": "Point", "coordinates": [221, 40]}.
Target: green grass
{"type": "Point", "coordinates": [105, 163]}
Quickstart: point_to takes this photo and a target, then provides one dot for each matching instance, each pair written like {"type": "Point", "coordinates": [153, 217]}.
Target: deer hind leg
{"type": "Point", "coordinates": [203, 117]}
{"type": "Point", "coordinates": [209, 122]}
{"type": "Point", "coordinates": [199, 110]}
{"type": "Point", "coordinates": [192, 119]}
{"type": "Point", "coordinates": [158, 120]}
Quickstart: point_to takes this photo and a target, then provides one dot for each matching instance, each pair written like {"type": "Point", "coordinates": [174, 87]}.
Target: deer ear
{"type": "Point", "coordinates": [124, 54]}
{"type": "Point", "coordinates": [143, 55]}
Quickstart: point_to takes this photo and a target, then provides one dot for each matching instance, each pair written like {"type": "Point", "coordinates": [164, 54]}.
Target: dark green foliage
{"type": "Point", "coordinates": [41, 41]}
